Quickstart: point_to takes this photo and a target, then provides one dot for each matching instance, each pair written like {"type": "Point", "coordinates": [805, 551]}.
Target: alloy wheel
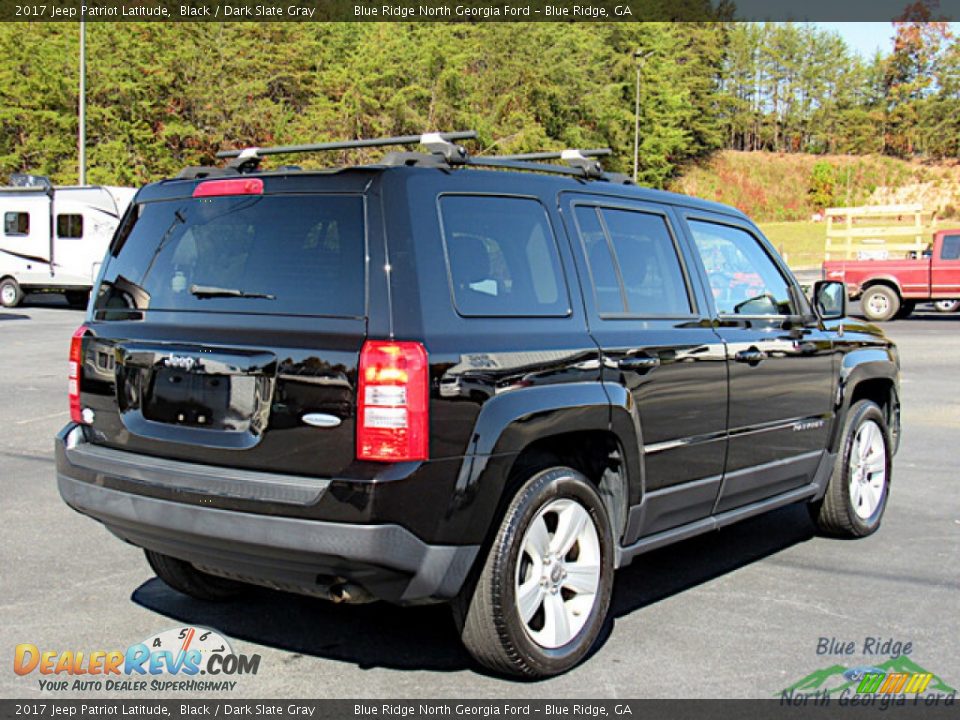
{"type": "Point", "coordinates": [867, 469]}
{"type": "Point", "coordinates": [558, 573]}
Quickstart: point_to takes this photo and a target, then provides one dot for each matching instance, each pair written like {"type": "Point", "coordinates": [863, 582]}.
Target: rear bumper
{"type": "Point", "coordinates": [289, 553]}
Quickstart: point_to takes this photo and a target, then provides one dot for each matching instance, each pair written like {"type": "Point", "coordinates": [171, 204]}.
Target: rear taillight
{"type": "Point", "coordinates": [75, 372]}
{"type": "Point", "coordinates": [392, 420]}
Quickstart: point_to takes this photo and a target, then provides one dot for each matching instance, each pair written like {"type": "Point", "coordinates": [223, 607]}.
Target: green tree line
{"type": "Point", "coordinates": [163, 96]}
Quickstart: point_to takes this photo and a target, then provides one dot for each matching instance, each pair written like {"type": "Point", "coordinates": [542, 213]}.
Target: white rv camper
{"type": "Point", "coordinates": [53, 239]}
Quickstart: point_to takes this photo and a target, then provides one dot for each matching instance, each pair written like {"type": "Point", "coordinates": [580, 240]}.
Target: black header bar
{"type": "Point", "coordinates": [464, 10]}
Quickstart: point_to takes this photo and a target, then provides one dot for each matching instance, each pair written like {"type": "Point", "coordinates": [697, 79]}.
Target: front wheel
{"type": "Point", "coordinates": [880, 303]}
{"type": "Point", "coordinates": [544, 591]}
{"type": "Point", "coordinates": [860, 484]}
{"type": "Point", "coordinates": [947, 306]}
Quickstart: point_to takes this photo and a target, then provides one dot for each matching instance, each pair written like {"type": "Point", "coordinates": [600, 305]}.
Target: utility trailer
{"type": "Point", "coordinates": [53, 238]}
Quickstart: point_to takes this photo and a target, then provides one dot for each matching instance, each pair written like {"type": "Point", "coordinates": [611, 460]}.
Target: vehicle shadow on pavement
{"type": "Point", "coordinates": [670, 570]}
{"type": "Point", "coordinates": [425, 638]}
{"type": "Point", "coordinates": [934, 316]}
{"type": "Point", "coordinates": [49, 301]}
{"type": "Point", "coordinates": [13, 316]}
{"type": "Point", "coordinates": [374, 635]}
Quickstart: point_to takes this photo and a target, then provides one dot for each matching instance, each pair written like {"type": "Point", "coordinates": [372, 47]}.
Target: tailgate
{"type": "Point", "coordinates": [189, 393]}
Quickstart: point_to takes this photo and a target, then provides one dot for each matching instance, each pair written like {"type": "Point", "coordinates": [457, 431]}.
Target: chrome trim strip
{"type": "Point", "coordinates": [653, 448]}
{"type": "Point", "coordinates": [817, 420]}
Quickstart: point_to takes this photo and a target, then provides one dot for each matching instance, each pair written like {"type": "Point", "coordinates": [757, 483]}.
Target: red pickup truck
{"type": "Point", "coordinates": [891, 288]}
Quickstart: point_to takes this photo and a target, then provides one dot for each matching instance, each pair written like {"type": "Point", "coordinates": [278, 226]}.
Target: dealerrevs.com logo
{"type": "Point", "coordinates": [186, 659]}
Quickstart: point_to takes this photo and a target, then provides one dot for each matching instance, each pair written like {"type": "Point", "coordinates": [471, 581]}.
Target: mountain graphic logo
{"type": "Point", "coordinates": [835, 679]}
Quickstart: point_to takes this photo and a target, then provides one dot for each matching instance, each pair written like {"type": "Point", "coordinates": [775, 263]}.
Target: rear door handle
{"type": "Point", "coordinates": [639, 363]}
{"type": "Point", "coordinates": [753, 356]}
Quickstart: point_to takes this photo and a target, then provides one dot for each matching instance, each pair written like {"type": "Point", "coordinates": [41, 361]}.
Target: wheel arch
{"type": "Point", "coordinates": [869, 374]}
{"type": "Point", "coordinates": [886, 280]}
{"type": "Point", "coordinates": [522, 432]}
{"type": "Point", "coordinates": [597, 454]}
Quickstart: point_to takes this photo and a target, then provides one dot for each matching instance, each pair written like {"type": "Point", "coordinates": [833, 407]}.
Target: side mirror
{"type": "Point", "coordinates": [830, 299]}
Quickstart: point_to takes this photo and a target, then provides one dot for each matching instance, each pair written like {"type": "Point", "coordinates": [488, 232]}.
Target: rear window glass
{"type": "Point", "coordinates": [273, 254]}
{"type": "Point", "coordinates": [503, 257]}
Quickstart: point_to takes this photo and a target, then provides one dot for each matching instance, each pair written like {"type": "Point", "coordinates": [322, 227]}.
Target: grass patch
{"type": "Point", "coordinates": [800, 243]}
{"type": "Point", "coordinates": [777, 187]}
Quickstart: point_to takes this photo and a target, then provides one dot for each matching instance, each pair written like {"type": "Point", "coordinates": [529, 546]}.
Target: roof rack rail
{"type": "Point", "coordinates": [501, 164]}
{"type": "Point", "coordinates": [557, 155]}
{"type": "Point", "coordinates": [248, 159]}
{"type": "Point", "coordinates": [575, 171]}
{"type": "Point", "coordinates": [583, 162]}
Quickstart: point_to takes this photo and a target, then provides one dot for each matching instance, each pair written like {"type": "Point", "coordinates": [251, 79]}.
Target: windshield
{"type": "Point", "coordinates": [274, 254]}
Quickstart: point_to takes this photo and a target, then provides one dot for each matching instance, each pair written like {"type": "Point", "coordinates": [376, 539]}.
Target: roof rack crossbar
{"type": "Point", "coordinates": [348, 144]}
{"type": "Point", "coordinates": [558, 155]}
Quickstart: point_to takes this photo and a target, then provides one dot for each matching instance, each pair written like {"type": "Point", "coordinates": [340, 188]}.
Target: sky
{"type": "Point", "coordinates": [864, 37]}
{"type": "Point", "coordinates": [867, 37]}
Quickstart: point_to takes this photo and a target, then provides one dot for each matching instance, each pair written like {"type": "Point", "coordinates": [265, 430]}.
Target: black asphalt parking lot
{"type": "Point", "coordinates": [739, 613]}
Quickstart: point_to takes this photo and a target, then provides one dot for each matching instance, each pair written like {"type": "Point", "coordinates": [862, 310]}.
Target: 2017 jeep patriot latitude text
{"type": "Point", "coordinates": [491, 389]}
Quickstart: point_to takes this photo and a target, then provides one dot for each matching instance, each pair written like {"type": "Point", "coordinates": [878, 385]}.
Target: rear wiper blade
{"type": "Point", "coordinates": [211, 291]}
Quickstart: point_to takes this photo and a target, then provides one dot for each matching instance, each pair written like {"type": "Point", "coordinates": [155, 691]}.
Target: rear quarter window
{"type": "Point", "coordinates": [502, 257]}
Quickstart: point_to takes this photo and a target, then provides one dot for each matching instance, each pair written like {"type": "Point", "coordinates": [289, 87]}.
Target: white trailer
{"type": "Point", "coordinates": [53, 239]}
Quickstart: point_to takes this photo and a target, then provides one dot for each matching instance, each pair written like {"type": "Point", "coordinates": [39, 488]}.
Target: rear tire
{"type": "Point", "coordinates": [185, 578]}
{"type": "Point", "coordinates": [543, 594]}
{"type": "Point", "coordinates": [880, 303]}
{"type": "Point", "coordinates": [78, 298]}
{"type": "Point", "coordinates": [858, 489]}
{"type": "Point", "coordinates": [906, 309]}
{"type": "Point", "coordinates": [947, 306]}
{"type": "Point", "coordinates": [10, 293]}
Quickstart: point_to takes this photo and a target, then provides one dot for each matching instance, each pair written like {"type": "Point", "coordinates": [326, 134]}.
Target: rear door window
{"type": "Point", "coordinates": [607, 284]}
{"type": "Point", "coordinates": [503, 257]}
{"type": "Point", "coordinates": [634, 263]}
{"type": "Point", "coordinates": [273, 254]}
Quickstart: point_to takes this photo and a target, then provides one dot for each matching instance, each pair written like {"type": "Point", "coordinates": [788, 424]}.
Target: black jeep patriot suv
{"type": "Point", "coordinates": [446, 378]}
